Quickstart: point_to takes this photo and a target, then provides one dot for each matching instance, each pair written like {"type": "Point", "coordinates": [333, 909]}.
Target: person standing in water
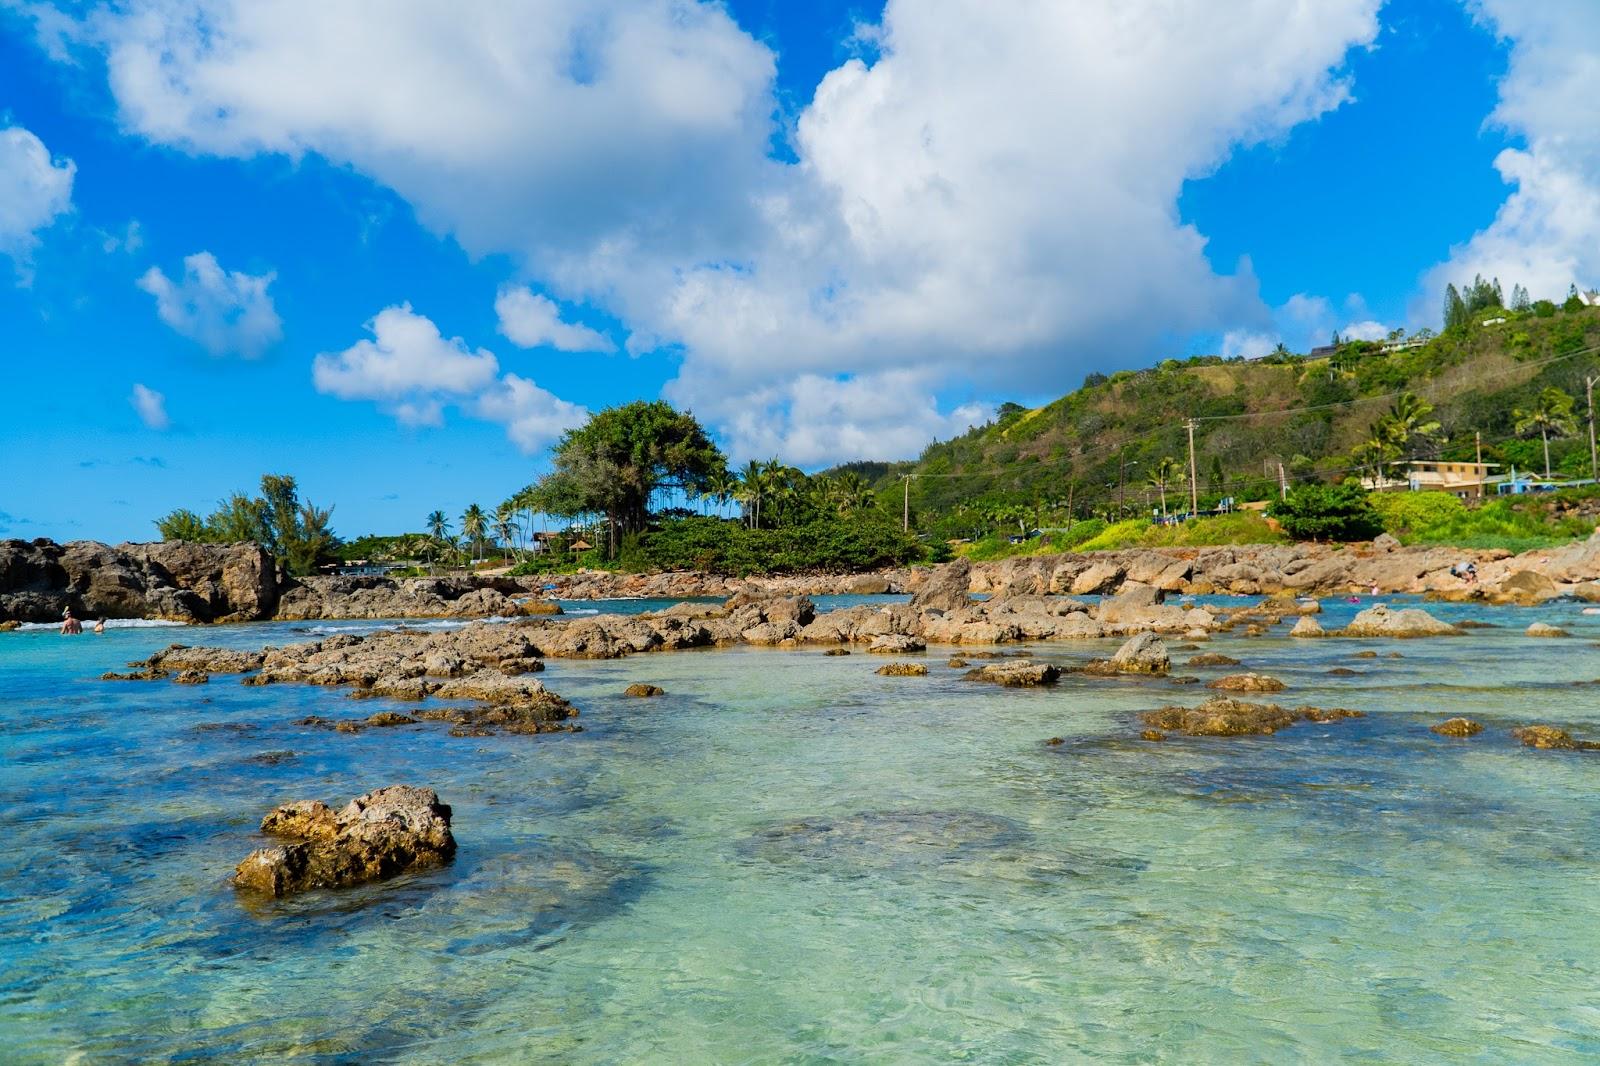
{"type": "Point", "coordinates": [99, 625]}
{"type": "Point", "coordinates": [70, 626]}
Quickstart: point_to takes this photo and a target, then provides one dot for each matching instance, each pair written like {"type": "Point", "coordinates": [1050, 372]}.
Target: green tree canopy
{"type": "Point", "coordinates": [1327, 512]}
{"type": "Point", "coordinates": [298, 533]}
{"type": "Point", "coordinates": [615, 462]}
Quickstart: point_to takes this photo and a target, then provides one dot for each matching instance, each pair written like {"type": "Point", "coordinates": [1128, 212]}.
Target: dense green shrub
{"type": "Point", "coordinates": [862, 542]}
{"type": "Point", "coordinates": [1327, 512]}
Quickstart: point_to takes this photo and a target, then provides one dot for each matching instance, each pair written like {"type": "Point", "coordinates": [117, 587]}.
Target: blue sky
{"type": "Point", "coordinates": [835, 231]}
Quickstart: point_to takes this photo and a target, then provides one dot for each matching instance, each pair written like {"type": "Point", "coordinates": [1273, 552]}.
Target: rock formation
{"type": "Point", "coordinates": [377, 835]}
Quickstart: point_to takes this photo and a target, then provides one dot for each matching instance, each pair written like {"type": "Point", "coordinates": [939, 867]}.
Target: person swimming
{"type": "Point", "coordinates": [99, 625]}
{"type": "Point", "coordinates": [70, 626]}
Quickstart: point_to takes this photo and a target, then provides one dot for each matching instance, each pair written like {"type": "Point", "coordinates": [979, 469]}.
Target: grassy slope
{"type": "Point", "coordinates": [1474, 378]}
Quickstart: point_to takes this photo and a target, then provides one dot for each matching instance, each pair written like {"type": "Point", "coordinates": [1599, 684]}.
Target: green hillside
{"type": "Point", "coordinates": [1306, 413]}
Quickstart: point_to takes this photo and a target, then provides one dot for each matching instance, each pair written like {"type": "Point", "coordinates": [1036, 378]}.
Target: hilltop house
{"type": "Point", "coordinates": [1462, 480]}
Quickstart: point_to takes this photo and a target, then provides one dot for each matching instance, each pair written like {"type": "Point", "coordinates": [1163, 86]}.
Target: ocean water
{"type": "Point", "coordinates": [790, 859]}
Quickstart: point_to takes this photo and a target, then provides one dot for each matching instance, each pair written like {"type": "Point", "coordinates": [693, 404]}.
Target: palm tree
{"type": "Point", "coordinates": [439, 530]}
{"type": "Point", "coordinates": [1411, 418]}
{"type": "Point", "coordinates": [505, 524]}
{"type": "Point", "coordinates": [1373, 456]}
{"type": "Point", "coordinates": [720, 488]}
{"type": "Point", "coordinates": [1162, 474]}
{"type": "Point", "coordinates": [853, 493]}
{"type": "Point", "coordinates": [1551, 413]}
{"type": "Point", "coordinates": [752, 484]}
{"type": "Point", "coordinates": [474, 523]}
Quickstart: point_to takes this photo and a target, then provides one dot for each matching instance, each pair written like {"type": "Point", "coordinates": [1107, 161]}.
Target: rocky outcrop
{"type": "Point", "coordinates": [1223, 716]}
{"type": "Point", "coordinates": [902, 670]}
{"type": "Point", "coordinates": [639, 690]}
{"type": "Point", "coordinates": [1143, 654]}
{"type": "Point", "coordinates": [375, 836]}
{"type": "Point", "coordinates": [1308, 626]}
{"type": "Point", "coordinates": [1545, 629]}
{"type": "Point", "coordinates": [1457, 727]}
{"type": "Point", "coordinates": [1380, 621]}
{"type": "Point", "coordinates": [314, 598]}
{"type": "Point", "coordinates": [1016, 673]}
{"type": "Point", "coordinates": [945, 589]}
{"type": "Point", "coordinates": [170, 580]}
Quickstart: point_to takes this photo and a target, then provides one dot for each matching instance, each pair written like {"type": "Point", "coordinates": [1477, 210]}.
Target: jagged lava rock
{"type": "Point", "coordinates": [1457, 727]}
{"type": "Point", "coordinates": [902, 670]}
{"type": "Point", "coordinates": [1248, 683]}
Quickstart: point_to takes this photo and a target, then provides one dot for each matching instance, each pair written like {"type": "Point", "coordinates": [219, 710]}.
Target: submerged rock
{"type": "Point", "coordinates": [1457, 727]}
{"type": "Point", "coordinates": [837, 651]}
{"type": "Point", "coordinates": [643, 691]}
{"type": "Point", "coordinates": [1248, 683]}
{"type": "Point", "coordinates": [1549, 737]}
{"type": "Point", "coordinates": [896, 644]}
{"type": "Point", "coordinates": [902, 670]}
{"type": "Point", "coordinates": [1213, 658]}
{"type": "Point", "coordinates": [1544, 629]}
{"type": "Point", "coordinates": [380, 834]}
{"type": "Point", "coordinates": [1223, 716]}
{"type": "Point", "coordinates": [1016, 673]}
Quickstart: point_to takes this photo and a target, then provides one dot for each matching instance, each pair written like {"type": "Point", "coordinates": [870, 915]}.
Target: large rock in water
{"type": "Point", "coordinates": [1380, 621]}
{"type": "Point", "coordinates": [1142, 654]}
{"type": "Point", "coordinates": [171, 580]}
{"type": "Point", "coordinates": [945, 589]}
{"type": "Point", "coordinates": [376, 835]}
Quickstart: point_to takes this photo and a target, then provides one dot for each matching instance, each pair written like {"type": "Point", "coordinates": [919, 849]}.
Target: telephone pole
{"type": "Point", "coordinates": [1588, 387]}
{"type": "Point", "coordinates": [905, 506]}
{"type": "Point", "coordinates": [1477, 437]}
{"type": "Point", "coordinates": [1194, 490]}
{"type": "Point", "coordinates": [1283, 483]}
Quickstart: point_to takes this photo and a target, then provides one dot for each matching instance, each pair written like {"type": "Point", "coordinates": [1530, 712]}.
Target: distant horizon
{"type": "Point", "coordinates": [242, 241]}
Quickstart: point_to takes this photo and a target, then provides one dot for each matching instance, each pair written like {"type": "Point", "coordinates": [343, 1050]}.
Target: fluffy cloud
{"type": "Point", "coordinates": [410, 369]}
{"type": "Point", "coordinates": [533, 417]}
{"type": "Point", "coordinates": [34, 191]}
{"type": "Point", "coordinates": [530, 320]}
{"type": "Point", "coordinates": [406, 365]}
{"type": "Point", "coordinates": [988, 206]}
{"type": "Point", "coordinates": [224, 311]}
{"type": "Point", "coordinates": [1546, 235]}
{"type": "Point", "coordinates": [151, 405]}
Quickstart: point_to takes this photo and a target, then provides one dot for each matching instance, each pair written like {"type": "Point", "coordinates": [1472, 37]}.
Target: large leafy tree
{"type": "Point", "coordinates": [1327, 512]}
{"type": "Point", "coordinates": [614, 464]}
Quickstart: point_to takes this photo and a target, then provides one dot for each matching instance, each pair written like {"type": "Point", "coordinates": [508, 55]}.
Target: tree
{"type": "Point", "coordinates": [1410, 420]}
{"type": "Point", "coordinates": [182, 525]}
{"type": "Point", "coordinates": [438, 534]}
{"type": "Point", "coordinates": [1327, 512]}
{"type": "Point", "coordinates": [297, 534]}
{"type": "Point", "coordinates": [613, 464]}
{"type": "Point", "coordinates": [1216, 480]}
{"type": "Point", "coordinates": [1519, 298]}
{"type": "Point", "coordinates": [505, 524]}
{"type": "Point", "coordinates": [1456, 315]}
{"type": "Point", "coordinates": [752, 486]}
{"type": "Point", "coordinates": [1165, 470]}
{"type": "Point", "coordinates": [474, 523]}
{"type": "Point", "coordinates": [1551, 413]}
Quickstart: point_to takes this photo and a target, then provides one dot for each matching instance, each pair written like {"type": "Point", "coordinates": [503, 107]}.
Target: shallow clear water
{"type": "Point", "coordinates": [788, 858]}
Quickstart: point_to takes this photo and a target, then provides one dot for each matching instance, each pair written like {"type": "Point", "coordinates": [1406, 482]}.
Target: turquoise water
{"type": "Point", "coordinates": [790, 859]}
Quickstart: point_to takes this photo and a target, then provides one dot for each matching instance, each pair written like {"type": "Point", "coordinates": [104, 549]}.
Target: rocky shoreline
{"type": "Point", "coordinates": [235, 583]}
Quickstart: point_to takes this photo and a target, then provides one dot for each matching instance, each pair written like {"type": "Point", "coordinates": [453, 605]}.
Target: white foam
{"type": "Point", "coordinates": [111, 623]}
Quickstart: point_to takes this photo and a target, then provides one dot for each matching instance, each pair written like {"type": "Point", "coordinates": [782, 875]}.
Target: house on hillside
{"type": "Point", "coordinates": [1462, 480]}
{"type": "Point", "coordinates": [1590, 298]}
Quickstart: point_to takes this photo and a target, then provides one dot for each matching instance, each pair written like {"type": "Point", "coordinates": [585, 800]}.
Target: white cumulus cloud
{"type": "Point", "coordinates": [1546, 236]}
{"type": "Point", "coordinates": [406, 364]}
{"type": "Point", "coordinates": [533, 417]}
{"type": "Point", "coordinates": [530, 320]}
{"type": "Point", "coordinates": [412, 371]}
{"type": "Point", "coordinates": [226, 312]}
{"type": "Point", "coordinates": [35, 190]}
{"type": "Point", "coordinates": [987, 205]}
{"type": "Point", "coordinates": [151, 405]}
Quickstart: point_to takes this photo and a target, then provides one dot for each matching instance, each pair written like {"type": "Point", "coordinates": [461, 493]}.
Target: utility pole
{"type": "Point", "coordinates": [1588, 387]}
{"type": "Point", "coordinates": [1283, 483]}
{"type": "Point", "coordinates": [1477, 437]}
{"type": "Point", "coordinates": [905, 507]}
{"type": "Point", "coordinates": [1194, 490]}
